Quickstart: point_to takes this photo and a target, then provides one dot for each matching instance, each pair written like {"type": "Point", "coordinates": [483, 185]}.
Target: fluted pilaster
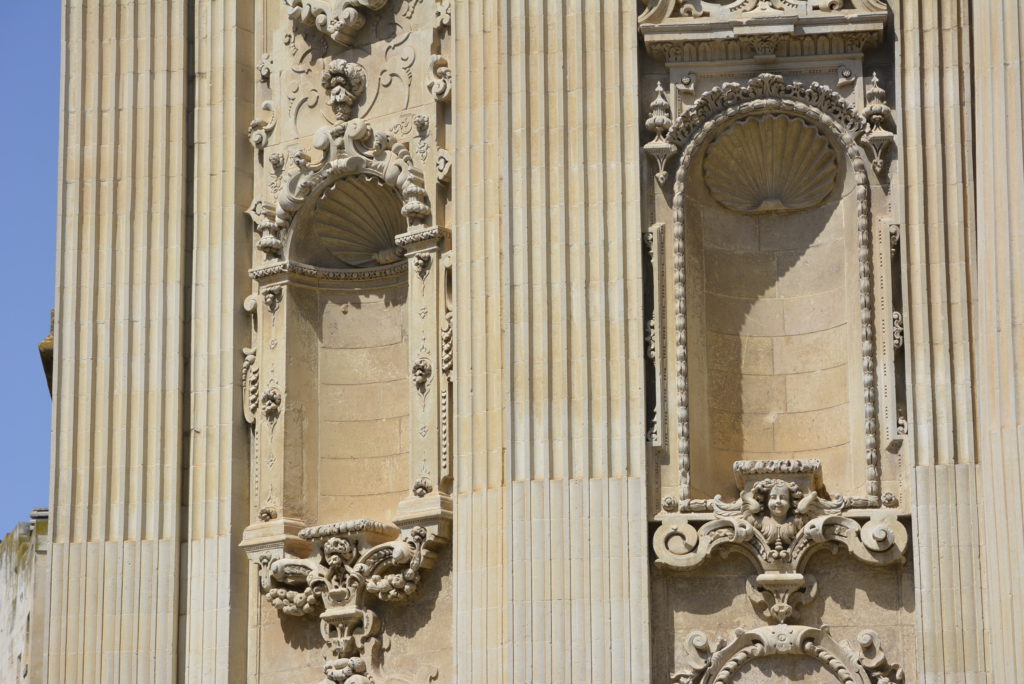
{"type": "Point", "coordinates": [215, 570]}
{"type": "Point", "coordinates": [934, 63]}
{"type": "Point", "coordinates": [999, 344]}
{"type": "Point", "coordinates": [551, 560]}
{"type": "Point", "coordinates": [119, 374]}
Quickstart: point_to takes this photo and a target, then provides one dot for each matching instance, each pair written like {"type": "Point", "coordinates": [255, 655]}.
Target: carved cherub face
{"type": "Point", "coordinates": [779, 502]}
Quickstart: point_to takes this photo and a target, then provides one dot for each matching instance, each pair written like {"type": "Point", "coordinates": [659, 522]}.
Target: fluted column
{"type": "Point", "coordinates": [999, 344]}
{"type": "Point", "coordinates": [551, 568]}
{"type": "Point", "coordinates": [934, 63]}
{"type": "Point", "coordinates": [215, 570]}
{"type": "Point", "coordinates": [119, 374]}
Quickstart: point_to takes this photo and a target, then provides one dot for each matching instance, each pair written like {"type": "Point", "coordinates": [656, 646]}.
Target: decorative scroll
{"type": "Point", "coordinates": [722, 661]}
{"type": "Point", "coordinates": [780, 520]}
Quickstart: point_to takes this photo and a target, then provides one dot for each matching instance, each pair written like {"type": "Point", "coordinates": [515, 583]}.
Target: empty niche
{"type": "Point", "coordinates": [772, 300]}
{"type": "Point", "coordinates": [363, 348]}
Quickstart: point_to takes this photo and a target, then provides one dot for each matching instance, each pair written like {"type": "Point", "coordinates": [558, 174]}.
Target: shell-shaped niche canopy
{"type": "Point", "coordinates": [770, 163]}
{"type": "Point", "coordinates": [353, 224]}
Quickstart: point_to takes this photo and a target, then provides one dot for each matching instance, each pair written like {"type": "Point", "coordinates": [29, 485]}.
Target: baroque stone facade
{"type": "Point", "coordinates": [473, 340]}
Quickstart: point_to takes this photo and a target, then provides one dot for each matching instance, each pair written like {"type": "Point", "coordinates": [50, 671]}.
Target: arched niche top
{"type": "Point", "coordinates": [346, 210]}
{"type": "Point", "coordinates": [763, 93]}
{"type": "Point", "coordinates": [840, 121]}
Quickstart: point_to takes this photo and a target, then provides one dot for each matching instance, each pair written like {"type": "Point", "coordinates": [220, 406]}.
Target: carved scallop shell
{"type": "Point", "coordinates": [770, 163]}
{"type": "Point", "coordinates": [356, 220]}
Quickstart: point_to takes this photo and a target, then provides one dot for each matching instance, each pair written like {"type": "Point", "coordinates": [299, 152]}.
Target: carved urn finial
{"type": "Point", "coordinates": [879, 116]}
{"type": "Point", "coordinates": [658, 123]}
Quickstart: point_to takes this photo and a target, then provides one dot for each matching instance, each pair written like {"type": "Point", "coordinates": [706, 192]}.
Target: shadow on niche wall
{"type": "Point", "coordinates": [771, 303]}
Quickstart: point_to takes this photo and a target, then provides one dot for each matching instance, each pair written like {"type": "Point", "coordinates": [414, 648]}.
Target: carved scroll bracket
{"type": "Point", "coordinates": [339, 572]}
{"type": "Point", "coordinates": [722, 661]}
{"type": "Point", "coordinates": [340, 20]}
{"type": "Point", "coordinates": [780, 520]}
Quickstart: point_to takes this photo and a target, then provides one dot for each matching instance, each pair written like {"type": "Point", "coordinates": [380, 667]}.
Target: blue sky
{"type": "Point", "coordinates": [29, 130]}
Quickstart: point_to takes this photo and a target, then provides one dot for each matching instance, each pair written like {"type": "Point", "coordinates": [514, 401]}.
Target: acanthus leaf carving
{"type": "Point", "coordinates": [353, 148]}
{"type": "Point", "coordinates": [343, 82]}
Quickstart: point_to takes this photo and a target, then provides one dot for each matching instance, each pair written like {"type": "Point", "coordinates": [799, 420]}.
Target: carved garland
{"type": "Point", "coordinates": [820, 105]}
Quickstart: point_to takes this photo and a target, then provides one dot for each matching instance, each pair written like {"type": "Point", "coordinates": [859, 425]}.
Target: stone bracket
{"type": "Point", "coordinates": [337, 572]}
{"type": "Point", "coordinates": [780, 520]}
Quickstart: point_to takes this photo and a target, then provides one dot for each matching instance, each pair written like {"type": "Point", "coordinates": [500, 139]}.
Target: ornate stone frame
{"type": "Point", "coordinates": [299, 570]}
{"type": "Point", "coordinates": [838, 119]}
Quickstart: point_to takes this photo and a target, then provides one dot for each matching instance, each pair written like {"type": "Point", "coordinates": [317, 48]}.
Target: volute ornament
{"type": "Point", "coordinates": [721, 662]}
{"type": "Point", "coordinates": [780, 519]}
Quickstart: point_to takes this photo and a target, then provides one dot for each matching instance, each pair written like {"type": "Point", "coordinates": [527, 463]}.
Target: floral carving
{"type": "Point", "coordinates": [778, 522]}
{"type": "Point", "coordinates": [263, 67]}
{"type": "Point", "coordinates": [338, 19]}
{"type": "Point", "coordinates": [440, 84]}
{"type": "Point", "coordinates": [250, 385]}
{"type": "Point", "coordinates": [720, 662]}
{"type": "Point", "coordinates": [421, 487]}
{"type": "Point", "coordinates": [344, 82]}
{"type": "Point", "coordinates": [443, 15]}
